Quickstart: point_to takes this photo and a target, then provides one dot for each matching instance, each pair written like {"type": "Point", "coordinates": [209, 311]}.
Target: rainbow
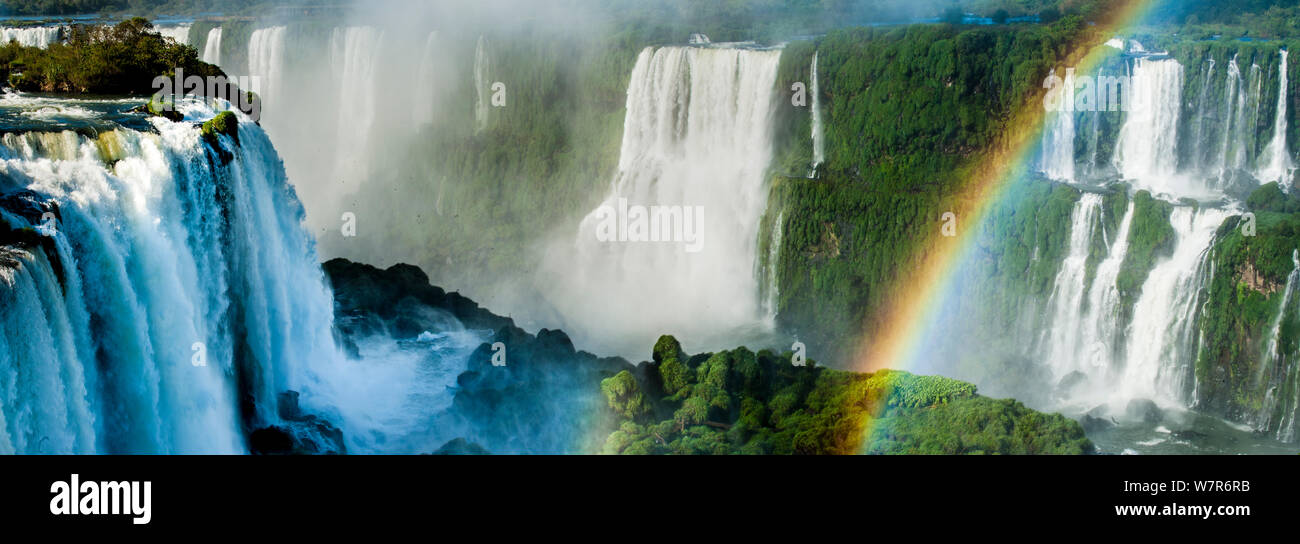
{"type": "Point", "coordinates": [898, 331]}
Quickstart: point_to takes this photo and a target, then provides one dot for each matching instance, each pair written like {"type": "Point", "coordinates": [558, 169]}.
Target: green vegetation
{"type": "Point", "coordinates": [123, 59]}
{"type": "Point", "coordinates": [739, 402]}
{"type": "Point", "coordinates": [1243, 301]}
{"type": "Point", "coordinates": [1150, 239]}
{"type": "Point", "coordinates": [912, 115]}
{"type": "Point", "coordinates": [225, 123]}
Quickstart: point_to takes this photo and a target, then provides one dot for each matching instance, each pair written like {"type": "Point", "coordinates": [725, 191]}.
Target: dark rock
{"type": "Point", "coordinates": [1144, 410]}
{"type": "Point", "coordinates": [1095, 424]}
{"type": "Point", "coordinates": [460, 446]}
{"type": "Point", "coordinates": [271, 441]}
{"type": "Point", "coordinates": [1070, 382]}
{"type": "Point", "coordinates": [298, 434]}
{"type": "Point", "coordinates": [532, 404]}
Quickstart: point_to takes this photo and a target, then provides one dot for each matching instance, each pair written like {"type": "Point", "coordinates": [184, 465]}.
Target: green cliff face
{"type": "Point", "coordinates": [1243, 302]}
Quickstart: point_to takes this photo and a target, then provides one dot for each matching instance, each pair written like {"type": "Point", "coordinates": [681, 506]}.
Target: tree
{"type": "Point", "coordinates": [1000, 16]}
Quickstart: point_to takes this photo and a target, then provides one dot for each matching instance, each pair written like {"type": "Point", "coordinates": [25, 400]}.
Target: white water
{"type": "Point", "coordinates": [698, 132]}
{"type": "Point", "coordinates": [1058, 139]}
{"type": "Point", "coordinates": [1278, 368]}
{"type": "Point", "coordinates": [42, 36]}
{"type": "Point", "coordinates": [266, 57]}
{"type": "Point", "coordinates": [1147, 148]}
{"type": "Point", "coordinates": [1159, 357]}
{"type": "Point", "coordinates": [1063, 342]}
{"type": "Point", "coordinates": [164, 248]}
{"type": "Point", "coordinates": [212, 48]}
{"type": "Point", "coordinates": [354, 55]}
{"type": "Point", "coordinates": [149, 274]}
{"type": "Point", "coordinates": [482, 87]}
{"type": "Point", "coordinates": [430, 72]}
{"type": "Point", "coordinates": [773, 290]}
{"type": "Point", "coordinates": [1277, 157]}
{"type": "Point", "coordinates": [818, 138]}
{"type": "Point", "coordinates": [180, 33]}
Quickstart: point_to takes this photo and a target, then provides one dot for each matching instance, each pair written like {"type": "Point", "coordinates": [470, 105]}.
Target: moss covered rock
{"type": "Point", "coordinates": [225, 123]}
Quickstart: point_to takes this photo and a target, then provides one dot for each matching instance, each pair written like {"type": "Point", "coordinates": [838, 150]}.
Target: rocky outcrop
{"type": "Point", "coordinates": [520, 393]}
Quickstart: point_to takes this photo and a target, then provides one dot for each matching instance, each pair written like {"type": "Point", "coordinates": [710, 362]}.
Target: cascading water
{"type": "Point", "coordinates": [1276, 160]}
{"type": "Point", "coordinates": [1147, 149]}
{"type": "Point", "coordinates": [42, 36]}
{"type": "Point", "coordinates": [679, 151]}
{"type": "Point", "coordinates": [482, 90]}
{"type": "Point", "coordinates": [818, 138]}
{"type": "Point", "coordinates": [1281, 367]}
{"type": "Point", "coordinates": [1160, 352]}
{"type": "Point", "coordinates": [155, 284]}
{"type": "Point", "coordinates": [1062, 340]}
{"type": "Point", "coordinates": [212, 48]}
{"type": "Point", "coordinates": [1057, 160]}
{"type": "Point", "coordinates": [180, 33]}
{"type": "Point", "coordinates": [428, 80]}
{"type": "Point", "coordinates": [162, 293]}
{"type": "Point", "coordinates": [354, 54]}
{"type": "Point", "coordinates": [266, 58]}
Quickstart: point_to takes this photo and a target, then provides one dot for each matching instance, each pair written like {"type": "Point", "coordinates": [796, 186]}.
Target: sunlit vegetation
{"type": "Point", "coordinates": [910, 114]}
{"type": "Point", "coordinates": [1243, 300]}
{"type": "Point", "coordinates": [741, 402]}
{"type": "Point", "coordinates": [122, 59]}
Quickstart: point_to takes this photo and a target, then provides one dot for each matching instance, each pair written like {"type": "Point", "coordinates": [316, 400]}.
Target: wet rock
{"type": "Point", "coordinates": [1144, 410]}
{"type": "Point", "coordinates": [1071, 382]}
{"type": "Point", "coordinates": [298, 434]}
{"type": "Point", "coordinates": [1095, 424]}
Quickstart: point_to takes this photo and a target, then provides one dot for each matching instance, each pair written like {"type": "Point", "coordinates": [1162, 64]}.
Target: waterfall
{"type": "Point", "coordinates": [354, 57]}
{"type": "Point", "coordinates": [1102, 323]}
{"type": "Point", "coordinates": [1148, 140]}
{"type": "Point", "coordinates": [698, 136]}
{"type": "Point", "coordinates": [1065, 304]}
{"type": "Point", "coordinates": [266, 63]}
{"type": "Point", "coordinates": [42, 36]}
{"type": "Point", "coordinates": [482, 66]}
{"type": "Point", "coordinates": [772, 298]}
{"type": "Point", "coordinates": [1199, 139]}
{"type": "Point", "coordinates": [173, 295]}
{"type": "Point", "coordinates": [1160, 351]}
{"type": "Point", "coordinates": [164, 255]}
{"type": "Point", "coordinates": [1277, 157]}
{"type": "Point", "coordinates": [179, 33]}
{"type": "Point", "coordinates": [427, 81]}
{"type": "Point", "coordinates": [212, 49]}
{"type": "Point", "coordinates": [1085, 319]}
{"type": "Point", "coordinates": [1058, 139]}
{"type": "Point", "coordinates": [819, 144]}
{"type": "Point", "coordinates": [1282, 369]}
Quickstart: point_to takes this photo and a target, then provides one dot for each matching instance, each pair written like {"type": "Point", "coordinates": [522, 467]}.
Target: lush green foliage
{"type": "Point", "coordinates": [123, 59]}
{"type": "Point", "coordinates": [1150, 239]}
{"type": "Point", "coordinates": [225, 123]}
{"type": "Point", "coordinates": [1243, 301]}
{"type": "Point", "coordinates": [739, 402]}
{"type": "Point", "coordinates": [910, 114]}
